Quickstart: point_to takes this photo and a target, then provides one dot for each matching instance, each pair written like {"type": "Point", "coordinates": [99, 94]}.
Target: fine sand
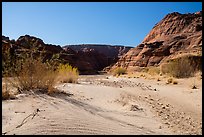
{"type": "Point", "coordinates": [102, 104]}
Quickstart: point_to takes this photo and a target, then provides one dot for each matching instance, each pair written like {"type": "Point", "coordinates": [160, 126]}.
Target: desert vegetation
{"type": "Point", "coordinates": [119, 71]}
{"type": "Point", "coordinates": [5, 92]}
{"type": "Point", "coordinates": [171, 80]}
{"type": "Point", "coordinates": [67, 73]}
{"type": "Point", "coordinates": [29, 73]}
{"type": "Point", "coordinates": [182, 67]}
{"type": "Point", "coordinates": [153, 70]}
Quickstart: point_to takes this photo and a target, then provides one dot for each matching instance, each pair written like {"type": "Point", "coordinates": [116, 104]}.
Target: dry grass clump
{"type": "Point", "coordinates": [5, 91]}
{"type": "Point", "coordinates": [132, 75]}
{"type": "Point", "coordinates": [30, 74]}
{"type": "Point", "coordinates": [153, 71]}
{"type": "Point", "coordinates": [5, 94]}
{"type": "Point", "coordinates": [182, 67]}
{"type": "Point", "coordinates": [119, 71]}
{"type": "Point", "coordinates": [35, 75]}
{"type": "Point", "coordinates": [67, 73]}
{"type": "Point", "coordinates": [142, 75]}
{"type": "Point", "coordinates": [169, 80]}
{"type": "Point", "coordinates": [148, 72]}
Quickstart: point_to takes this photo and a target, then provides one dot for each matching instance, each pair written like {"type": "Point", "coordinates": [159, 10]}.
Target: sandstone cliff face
{"type": "Point", "coordinates": [107, 50]}
{"type": "Point", "coordinates": [89, 59]}
{"type": "Point", "coordinates": [96, 57]}
{"type": "Point", "coordinates": [176, 34]}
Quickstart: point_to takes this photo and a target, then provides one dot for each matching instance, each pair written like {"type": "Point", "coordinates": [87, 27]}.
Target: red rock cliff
{"type": "Point", "coordinates": [175, 34]}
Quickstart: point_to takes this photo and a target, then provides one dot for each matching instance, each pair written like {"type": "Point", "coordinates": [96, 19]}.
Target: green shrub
{"type": "Point", "coordinates": [67, 73]}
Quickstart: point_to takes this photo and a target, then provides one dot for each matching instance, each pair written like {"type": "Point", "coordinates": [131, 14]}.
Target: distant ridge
{"type": "Point", "coordinates": [88, 58]}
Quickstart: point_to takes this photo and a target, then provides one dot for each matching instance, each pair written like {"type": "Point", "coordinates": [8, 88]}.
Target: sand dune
{"type": "Point", "coordinates": [107, 105]}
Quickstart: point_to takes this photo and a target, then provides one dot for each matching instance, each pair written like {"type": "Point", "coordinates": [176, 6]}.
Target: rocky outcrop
{"type": "Point", "coordinates": [174, 35]}
{"type": "Point", "coordinates": [4, 38]}
{"type": "Point", "coordinates": [96, 56]}
{"type": "Point", "coordinates": [29, 42]}
{"type": "Point", "coordinates": [89, 59]}
{"type": "Point", "coordinates": [107, 50]}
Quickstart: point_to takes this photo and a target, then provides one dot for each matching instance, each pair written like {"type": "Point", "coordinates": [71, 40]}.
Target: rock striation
{"type": "Point", "coordinates": [175, 35]}
{"type": "Point", "coordinates": [96, 56]}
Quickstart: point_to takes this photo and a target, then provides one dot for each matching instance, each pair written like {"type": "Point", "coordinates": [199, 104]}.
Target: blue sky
{"type": "Point", "coordinates": [62, 23]}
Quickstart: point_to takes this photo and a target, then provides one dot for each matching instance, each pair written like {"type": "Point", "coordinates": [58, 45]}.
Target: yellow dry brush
{"type": "Point", "coordinates": [67, 73]}
{"type": "Point", "coordinates": [119, 71]}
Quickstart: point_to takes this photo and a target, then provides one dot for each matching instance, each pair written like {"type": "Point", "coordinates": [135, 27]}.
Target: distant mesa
{"type": "Point", "coordinates": [111, 51]}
